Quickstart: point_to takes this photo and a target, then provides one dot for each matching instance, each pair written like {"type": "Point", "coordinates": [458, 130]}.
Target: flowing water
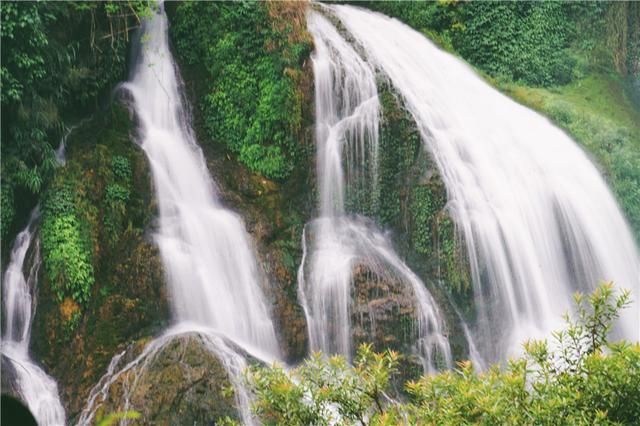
{"type": "Point", "coordinates": [347, 127]}
{"type": "Point", "coordinates": [38, 391]}
{"type": "Point", "coordinates": [538, 219]}
{"type": "Point", "coordinates": [209, 263]}
{"type": "Point", "coordinates": [207, 254]}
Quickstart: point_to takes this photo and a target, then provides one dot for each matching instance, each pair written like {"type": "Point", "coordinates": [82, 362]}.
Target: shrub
{"type": "Point", "coordinates": [583, 380]}
{"type": "Point", "coordinates": [65, 248]}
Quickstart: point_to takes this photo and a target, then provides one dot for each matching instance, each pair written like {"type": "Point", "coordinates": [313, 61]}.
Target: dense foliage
{"type": "Point", "coordinates": [412, 201]}
{"type": "Point", "coordinates": [578, 379]}
{"type": "Point", "coordinates": [58, 58]}
{"type": "Point", "coordinates": [65, 245]}
{"type": "Point", "coordinates": [537, 43]}
{"type": "Point", "coordinates": [92, 206]}
{"type": "Point", "coordinates": [252, 53]}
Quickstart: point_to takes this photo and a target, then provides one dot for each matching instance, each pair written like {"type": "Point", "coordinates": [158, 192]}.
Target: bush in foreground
{"type": "Point", "coordinates": [579, 378]}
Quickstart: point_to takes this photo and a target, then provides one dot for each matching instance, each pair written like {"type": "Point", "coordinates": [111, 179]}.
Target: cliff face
{"type": "Point", "coordinates": [248, 78]}
{"type": "Point", "coordinates": [102, 286]}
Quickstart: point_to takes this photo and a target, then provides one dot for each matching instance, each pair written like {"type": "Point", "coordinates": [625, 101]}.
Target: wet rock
{"type": "Point", "coordinates": [183, 382]}
{"type": "Point", "coordinates": [383, 310]}
{"type": "Point", "coordinates": [8, 378]}
{"type": "Point", "coordinates": [384, 314]}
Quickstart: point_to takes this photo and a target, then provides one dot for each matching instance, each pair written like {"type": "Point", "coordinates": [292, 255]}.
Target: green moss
{"type": "Point", "coordinates": [414, 201]}
{"type": "Point", "coordinates": [424, 211]}
{"type": "Point", "coordinates": [85, 206]}
{"type": "Point", "coordinates": [116, 197]}
{"type": "Point", "coordinates": [453, 260]}
{"type": "Point", "coordinates": [252, 59]}
{"type": "Point", "coordinates": [399, 158]}
{"type": "Point", "coordinates": [7, 210]}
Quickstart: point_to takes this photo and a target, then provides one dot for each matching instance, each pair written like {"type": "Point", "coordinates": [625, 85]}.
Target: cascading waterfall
{"type": "Point", "coordinates": [38, 391]}
{"type": "Point", "coordinates": [347, 121]}
{"type": "Point", "coordinates": [209, 262]}
{"type": "Point", "coordinates": [538, 219]}
{"type": "Point", "coordinates": [208, 258]}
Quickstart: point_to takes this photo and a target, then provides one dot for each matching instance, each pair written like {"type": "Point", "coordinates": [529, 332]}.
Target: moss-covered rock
{"type": "Point", "coordinates": [76, 337]}
{"type": "Point", "coordinates": [383, 310]}
{"type": "Point", "coordinates": [384, 314]}
{"type": "Point", "coordinates": [181, 381]}
{"type": "Point", "coordinates": [8, 385]}
{"type": "Point", "coordinates": [414, 208]}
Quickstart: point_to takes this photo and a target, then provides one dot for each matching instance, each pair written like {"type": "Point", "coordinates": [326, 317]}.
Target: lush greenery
{"type": "Point", "coordinates": [58, 59]}
{"type": "Point", "coordinates": [71, 212]}
{"type": "Point", "coordinates": [580, 378]}
{"type": "Point", "coordinates": [252, 53]}
{"type": "Point", "coordinates": [65, 245]}
{"type": "Point", "coordinates": [89, 208]}
{"type": "Point", "coordinates": [411, 200]}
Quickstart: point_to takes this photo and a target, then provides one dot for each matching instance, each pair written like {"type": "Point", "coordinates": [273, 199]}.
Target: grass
{"type": "Point", "coordinates": [597, 95]}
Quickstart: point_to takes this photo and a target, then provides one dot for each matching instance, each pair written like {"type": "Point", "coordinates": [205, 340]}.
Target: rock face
{"type": "Point", "coordinates": [8, 378]}
{"type": "Point", "coordinates": [384, 314]}
{"type": "Point", "coordinates": [75, 341]}
{"type": "Point", "coordinates": [180, 382]}
{"type": "Point", "coordinates": [383, 310]}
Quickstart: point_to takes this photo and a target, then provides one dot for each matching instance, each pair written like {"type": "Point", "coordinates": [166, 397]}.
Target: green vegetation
{"type": "Point", "coordinates": [519, 41]}
{"type": "Point", "coordinates": [65, 246]}
{"type": "Point", "coordinates": [412, 201]}
{"type": "Point", "coordinates": [58, 58]}
{"type": "Point", "coordinates": [85, 208]}
{"type": "Point", "coordinates": [583, 380]}
{"type": "Point", "coordinates": [114, 418]}
{"type": "Point", "coordinates": [541, 43]}
{"type": "Point", "coordinates": [252, 53]}
{"type": "Point", "coordinates": [399, 159]}
{"type": "Point", "coordinates": [91, 208]}
{"type": "Point", "coordinates": [116, 196]}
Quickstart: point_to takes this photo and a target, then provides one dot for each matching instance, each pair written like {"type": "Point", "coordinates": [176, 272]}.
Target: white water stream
{"type": "Point", "coordinates": [347, 130]}
{"type": "Point", "coordinates": [208, 258]}
{"type": "Point", "coordinates": [36, 389]}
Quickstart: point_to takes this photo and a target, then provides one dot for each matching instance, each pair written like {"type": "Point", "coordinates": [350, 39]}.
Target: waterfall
{"type": "Point", "coordinates": [537, 218]}
{"type": "Point", "coordinates": [347, 128]}
{"type": "Point", "coordinates": [210, 267]}
{"type": "Point", "coordinates": [34, 386]}
{"type": "Point", "coordinates": [212, 275]}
